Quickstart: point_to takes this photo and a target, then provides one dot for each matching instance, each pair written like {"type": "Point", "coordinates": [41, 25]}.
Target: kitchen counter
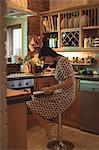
{"type": "Point", "coordinates": [16, 96]}
{"type": "Point", "coordinates": [17, 118]}
{"type": "Point", "coordinates": [27, 76]}
{"type": "Point", "coordinates": [37, 75]}
{"type": "Point", "coordinates": [88, 77]}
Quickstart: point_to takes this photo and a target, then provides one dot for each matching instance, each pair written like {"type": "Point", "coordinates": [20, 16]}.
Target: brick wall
{"type": "Point", "coordinates": [34, 21]}
{"type": "Point", "coordinates": [3, 103]}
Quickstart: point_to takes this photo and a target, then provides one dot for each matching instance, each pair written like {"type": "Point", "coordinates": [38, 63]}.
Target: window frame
{"type": "Point", "coordinates": [12, 27]}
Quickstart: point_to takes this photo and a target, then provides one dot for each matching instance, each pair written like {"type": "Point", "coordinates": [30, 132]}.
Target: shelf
{"type": "Point", "coordinates": [76, 49]}
{"type": "Point", "coordinates": [90, 27]}
{"type": "Point", "coordinates": [49, 32]}
{"type": "Point", "coordinates": [81, 64]}
{"type": "Point", "coordinates": [82, 20]}
{"type": "Point", "coordinates": [70, 29]}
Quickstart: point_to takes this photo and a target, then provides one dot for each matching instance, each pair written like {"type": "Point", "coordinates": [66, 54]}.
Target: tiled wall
{"type": "Point", "coordinates": [3, 102]}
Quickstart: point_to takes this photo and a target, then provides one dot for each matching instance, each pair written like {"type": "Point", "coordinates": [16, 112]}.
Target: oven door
{"type": "Point", "coordinates": [21, 84]}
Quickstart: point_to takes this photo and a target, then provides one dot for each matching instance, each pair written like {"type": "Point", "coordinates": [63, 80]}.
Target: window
{"type": "Point", "coordinates": [14, 41]}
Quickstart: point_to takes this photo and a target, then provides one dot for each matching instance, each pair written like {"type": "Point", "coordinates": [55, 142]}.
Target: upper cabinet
{"type": "Point", "coordinates": [71, 29]}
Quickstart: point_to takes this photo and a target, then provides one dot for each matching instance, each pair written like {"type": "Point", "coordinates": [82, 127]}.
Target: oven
{"type": "Point", "coordinates": [20, 81]}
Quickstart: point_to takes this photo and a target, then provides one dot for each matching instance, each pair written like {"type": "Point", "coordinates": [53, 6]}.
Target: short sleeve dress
{"type": "Point", "coordinates": [49, 106]}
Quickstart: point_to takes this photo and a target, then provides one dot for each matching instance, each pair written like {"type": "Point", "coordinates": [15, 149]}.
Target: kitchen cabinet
{"type": "Point", "coordinates": [72, 115]}
{"type": "Point", "coordinates": [89, 106]}
{"type": "Point", "coordinates": [67, 29]}
{"type": "Point", "coordinates": [17, 119]}
{"type": "Point", "coordinates": [43, 82]}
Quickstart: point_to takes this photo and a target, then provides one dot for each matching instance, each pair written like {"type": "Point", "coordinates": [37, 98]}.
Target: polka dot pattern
{"type": "Point", "coordinates": [50, 106]}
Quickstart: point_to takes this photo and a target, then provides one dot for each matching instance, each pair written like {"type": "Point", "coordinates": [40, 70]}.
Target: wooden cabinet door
{"type": "Point", "coordinates": [43, 82]}
{"type": "Point", "coordinates": [71, 116]}
{"type": "Point", "coordinates": [17, 126]}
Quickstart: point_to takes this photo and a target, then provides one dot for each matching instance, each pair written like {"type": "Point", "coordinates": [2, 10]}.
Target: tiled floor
{"type": "Point", "coordinates": [82, 140]}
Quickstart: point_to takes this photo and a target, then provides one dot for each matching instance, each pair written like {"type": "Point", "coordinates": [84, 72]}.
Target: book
{"type": "Point", "coordinates": [38, 92]}
{"type": "Point", "coordinates": [52, 24]}
{"type": "Point", "coordinates": [49, 22]}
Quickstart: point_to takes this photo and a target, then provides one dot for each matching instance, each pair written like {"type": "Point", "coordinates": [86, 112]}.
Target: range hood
{"type": "Point", "coordinates": [18, 8]}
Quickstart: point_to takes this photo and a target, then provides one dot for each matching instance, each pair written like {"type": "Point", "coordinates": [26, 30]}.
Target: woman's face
{"type": "Point", "coordinates": [48, 60]}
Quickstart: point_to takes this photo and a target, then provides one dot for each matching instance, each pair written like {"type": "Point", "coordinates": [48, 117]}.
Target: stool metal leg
{"type": "Point", "coordinates": [60, 144]}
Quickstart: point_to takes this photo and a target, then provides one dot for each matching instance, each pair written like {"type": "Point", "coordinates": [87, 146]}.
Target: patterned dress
{"type": "Point", "coordinates": [50, 106]}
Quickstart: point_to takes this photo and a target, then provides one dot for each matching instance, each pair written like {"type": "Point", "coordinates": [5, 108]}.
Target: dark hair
{"type": "Point", "coordinates": [47, 51]}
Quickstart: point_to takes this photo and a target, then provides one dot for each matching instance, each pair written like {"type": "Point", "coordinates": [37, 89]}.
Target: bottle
{"type": "Point", "coordinates": [89, 41]}
{"type": "Point", "coordinates": [50, 41]}
{"type": "Point", "coordinates": [85, 42]}
{"type": "Point", "coordinates": [53, 41]}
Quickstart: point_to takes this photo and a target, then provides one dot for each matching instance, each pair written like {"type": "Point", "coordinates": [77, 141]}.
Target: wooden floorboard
{"type": "Point", "coordinates": [82, 140]}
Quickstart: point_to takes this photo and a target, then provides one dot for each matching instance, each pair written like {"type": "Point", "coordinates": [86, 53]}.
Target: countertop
{"type": "Point", "coordinates": [37, 75]}
{"type": "Point", "coordinates": [88, 77]}
{"type": "Point", "coordinates": [28, 76]}
{"type": "Point", "coordinates": [17, 96]}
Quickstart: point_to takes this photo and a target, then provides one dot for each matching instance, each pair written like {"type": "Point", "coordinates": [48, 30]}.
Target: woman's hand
{"type": "Point", "coordinates": [48, 90]}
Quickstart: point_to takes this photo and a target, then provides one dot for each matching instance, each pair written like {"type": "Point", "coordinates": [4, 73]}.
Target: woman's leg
{"type": "Point", "coordinates": [44, 123]}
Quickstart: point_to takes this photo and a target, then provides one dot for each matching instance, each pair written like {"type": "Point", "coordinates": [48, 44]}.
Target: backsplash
{"type": "Point", "coordinates": [83, 62]}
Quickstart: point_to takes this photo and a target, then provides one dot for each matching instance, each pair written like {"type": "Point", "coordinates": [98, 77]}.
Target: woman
{"type": "Point", "coordinates": [56, 98]}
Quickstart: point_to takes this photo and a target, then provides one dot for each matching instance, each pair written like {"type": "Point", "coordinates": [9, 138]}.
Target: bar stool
{"type": "Point", "coordinates": [59, 143]}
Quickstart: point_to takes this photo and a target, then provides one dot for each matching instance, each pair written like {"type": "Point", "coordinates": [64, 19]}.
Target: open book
{"type": "Point", "coordinates": [38, 92]}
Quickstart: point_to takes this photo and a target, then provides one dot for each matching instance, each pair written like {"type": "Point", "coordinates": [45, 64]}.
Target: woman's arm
{"type": "Point", "coordinates": [64, 84]}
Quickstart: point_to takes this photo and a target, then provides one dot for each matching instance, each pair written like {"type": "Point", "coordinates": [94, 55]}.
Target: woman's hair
{"type": "Point", "coordinates": [47, 51]}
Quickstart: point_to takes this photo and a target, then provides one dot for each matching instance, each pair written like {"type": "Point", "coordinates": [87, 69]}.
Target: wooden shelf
{"type": "Point", "coordinates": [72, 39]}
{"type": "Point", "coordinates": [50, 32]}
{"type": "Point", "coordinates": [90, 27]}
{"type": "Point", "coordinates": [76, 49]}
{"type": "Point", "coordinates": [81, 64]}
{"type": "Point", "coordinates": [70, 29]}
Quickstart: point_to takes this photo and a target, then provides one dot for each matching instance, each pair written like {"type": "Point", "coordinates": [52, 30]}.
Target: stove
{"type": "Point", "coordinates": [20, 81]}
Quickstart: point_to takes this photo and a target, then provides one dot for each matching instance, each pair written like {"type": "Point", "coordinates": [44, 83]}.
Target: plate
{"type": "Point", "coordinates": [64, 23]}
{"type": "Point", "coordinates": [76, 22]}
{"type": "Point", "coordinates": [71, 22]}
{"type": "Point", "coordinates": [84, 20]}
